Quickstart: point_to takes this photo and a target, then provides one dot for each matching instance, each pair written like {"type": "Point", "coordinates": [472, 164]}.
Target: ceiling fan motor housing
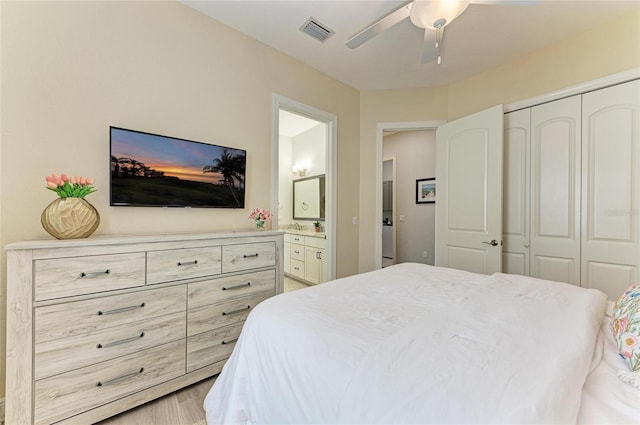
{"type": "Point", "coordinates": [435, 14]}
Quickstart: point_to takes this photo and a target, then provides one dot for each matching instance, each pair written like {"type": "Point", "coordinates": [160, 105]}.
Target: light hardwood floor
{"type": "Point", "coordinates": [291, 284]}
{"type": "Point", "coordinates": [182, 407]}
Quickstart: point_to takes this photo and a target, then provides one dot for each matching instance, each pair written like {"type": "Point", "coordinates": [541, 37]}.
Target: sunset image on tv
{"type": "Point", "coordinates": [153, 170]}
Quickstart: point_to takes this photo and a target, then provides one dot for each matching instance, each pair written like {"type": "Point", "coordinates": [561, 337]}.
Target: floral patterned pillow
{"type": "Point", "coordinates": [626, 331]}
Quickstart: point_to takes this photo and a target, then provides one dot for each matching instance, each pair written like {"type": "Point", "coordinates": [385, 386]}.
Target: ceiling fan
{"type": "Point", "coordinates": [432, 15]}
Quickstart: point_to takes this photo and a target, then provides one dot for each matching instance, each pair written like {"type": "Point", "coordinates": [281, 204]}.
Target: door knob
{"type": "Point", "coordinates": [492, 243]}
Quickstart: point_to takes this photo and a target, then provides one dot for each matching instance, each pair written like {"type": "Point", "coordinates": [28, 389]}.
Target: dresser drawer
{"type": "Point", "coordinates": [88, 316]}
{"type": "Point", "coordinates": [248, 256]}
{"type": "Point", "coordinates": [176, 264]}
{"type": "Point", "coordinates": [230, 288]}
{"type": "Point", "coordinates": [211, 347]}
{"type": "Point", "coordinates": [68, 394]}
{"type": "Point", "coordinates": [62, 355]}
{"type": "Point", "coordinates": [297, 252]}
{"type": "Point", "coordinates": [297, 268]}
{"type": "Point", "coordinates": [211, 317]}
{"type": "Point", "coordinates": [63, 277]}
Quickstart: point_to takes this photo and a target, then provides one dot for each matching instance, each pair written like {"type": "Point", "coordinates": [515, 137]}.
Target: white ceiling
{"type": "Point", "coordinates": [483, 37]}
{"type": "Point", "coordinates": [290, 124]}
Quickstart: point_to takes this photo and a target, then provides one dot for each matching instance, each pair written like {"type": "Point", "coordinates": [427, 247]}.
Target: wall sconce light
{"type": "Point", "coordinates": [300, 169]}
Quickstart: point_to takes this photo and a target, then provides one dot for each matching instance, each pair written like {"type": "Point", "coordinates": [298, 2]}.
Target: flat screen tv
{"type": "Point", "coordinates": [150, 170]}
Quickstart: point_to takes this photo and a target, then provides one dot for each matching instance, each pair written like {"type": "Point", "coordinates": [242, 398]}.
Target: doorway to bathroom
{"type": "Point", "coordinates": [303, 190]}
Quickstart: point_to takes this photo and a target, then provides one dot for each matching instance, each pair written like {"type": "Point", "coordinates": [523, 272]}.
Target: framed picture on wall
{"type": "Point", "coordinates": [426, 191]}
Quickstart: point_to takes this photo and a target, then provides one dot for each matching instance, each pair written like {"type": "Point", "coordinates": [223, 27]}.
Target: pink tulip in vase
{"type": "Point", "coordinates": [70, 216]}
{"type": "Point", "coordinates": [261, 217]}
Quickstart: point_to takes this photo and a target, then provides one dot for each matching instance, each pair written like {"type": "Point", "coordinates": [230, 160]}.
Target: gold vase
{"type": "Point", "coordinates": [70, 218]}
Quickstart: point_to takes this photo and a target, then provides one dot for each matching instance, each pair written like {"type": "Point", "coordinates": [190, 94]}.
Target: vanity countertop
{"type": "Point", "coordinates": [311, 233]}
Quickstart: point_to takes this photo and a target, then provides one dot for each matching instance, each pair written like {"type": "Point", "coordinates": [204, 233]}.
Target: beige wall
{"type": "Point", "coordinates": [385, 107]}
{"type": "Point", "coordinates": [71, 69]}
{"type": "Point", "coordinates": [608, 49]}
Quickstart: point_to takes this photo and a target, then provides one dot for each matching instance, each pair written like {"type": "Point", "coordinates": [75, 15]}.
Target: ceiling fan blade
{"type": "Point", "coordinates": [429, 48]}
{"type": "Point", "coordinates": [377, 27]}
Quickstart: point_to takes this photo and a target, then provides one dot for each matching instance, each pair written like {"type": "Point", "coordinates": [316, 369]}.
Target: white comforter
{"type": "Point", "coordinates": [413, 344]}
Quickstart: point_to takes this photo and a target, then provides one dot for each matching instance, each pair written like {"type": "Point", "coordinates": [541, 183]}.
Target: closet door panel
{"type": "Point", "coordinates": [515, 214]}
{"type": "Point", "coordinates": [611, 188]}
{"type": "Point", "coordinates": [555, 190]}
{"type": "Point", "coordinates": [556, 268]}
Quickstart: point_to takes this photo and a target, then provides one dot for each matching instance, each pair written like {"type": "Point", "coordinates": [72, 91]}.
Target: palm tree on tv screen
{"type": "Point", "coordinates": [232, 168]}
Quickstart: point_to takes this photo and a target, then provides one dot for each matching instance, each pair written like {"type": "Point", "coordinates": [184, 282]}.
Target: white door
{"type": "Point", "coordinates": [517, 174]}
{"type": "Point", "coordinates": [555, 190]}
{"type": "Point", "coordinates": [611, 188]}
{"type": "Point", "coordinates": [469, 192]}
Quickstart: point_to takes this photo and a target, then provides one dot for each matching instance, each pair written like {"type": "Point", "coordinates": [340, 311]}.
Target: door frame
{"type": "Point", "coordinates": [380, 129]}
{"type": "Point", "coordinates": [394, 204]}
{"type": "Point", "coordinates": [331, 120]}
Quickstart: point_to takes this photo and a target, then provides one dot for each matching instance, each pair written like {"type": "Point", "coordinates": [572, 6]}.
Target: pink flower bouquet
{"type": "Point", "coordinates": [260, 214]}
{"type": "Point", "coordinates": [70, 187]}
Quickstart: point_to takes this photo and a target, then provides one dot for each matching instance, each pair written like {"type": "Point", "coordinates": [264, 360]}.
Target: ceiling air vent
{"type": "Point", "coordinates": [316, 30]}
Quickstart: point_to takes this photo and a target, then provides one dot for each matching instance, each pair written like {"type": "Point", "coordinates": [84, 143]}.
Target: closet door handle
{"type": "Point", "coordinates": [492, 243]}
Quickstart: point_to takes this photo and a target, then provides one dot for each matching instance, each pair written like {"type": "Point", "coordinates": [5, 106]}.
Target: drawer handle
{"type": "Point", "coordinates": [250, 255]}
{"type": "Point", "coordinates": [240, 310]}
{"type": "Point", "coordinates": [188, 263]}
{"type": "Point", "coordinates": [244, 285]}
{"type": "Point", "coordinates": [120, 310]}
{"type": "Point", "coordinates": [94, 274]}
{"type": "Point", "coordinates": [296, 252]}
{"type": "Point", "coordinates": [121, 341]}
{"type": "Point", "coordinates": [120, 378]}
{"type": "Point", "coordinates": [231, 341]}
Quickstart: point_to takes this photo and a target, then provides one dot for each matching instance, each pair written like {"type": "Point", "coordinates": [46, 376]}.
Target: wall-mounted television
{"type": "Point", "coordinates": [150, 170]}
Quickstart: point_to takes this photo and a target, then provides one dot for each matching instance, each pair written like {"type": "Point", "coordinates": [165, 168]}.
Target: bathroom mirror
{"type": "Point", "coordinates": [308, 198]}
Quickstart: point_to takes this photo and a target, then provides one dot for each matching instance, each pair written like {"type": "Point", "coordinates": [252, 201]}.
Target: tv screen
{"type": "Point", "coordinates": [150, 170]}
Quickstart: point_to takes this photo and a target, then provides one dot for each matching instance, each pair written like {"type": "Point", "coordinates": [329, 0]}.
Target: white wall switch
{"type": "Point", "coordinates": [355, 219]}
{"type": "Point", "coordinates": [402, 218]}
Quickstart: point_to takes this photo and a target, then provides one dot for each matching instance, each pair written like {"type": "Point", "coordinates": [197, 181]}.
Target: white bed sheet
{"type": "Point", "coordinates": [413, 344]}
{"type": "Point", "coordinates": [606, 399]}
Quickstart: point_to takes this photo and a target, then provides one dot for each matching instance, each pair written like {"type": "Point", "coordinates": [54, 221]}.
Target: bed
{"type": "Point", "coordinates": [420, 344]}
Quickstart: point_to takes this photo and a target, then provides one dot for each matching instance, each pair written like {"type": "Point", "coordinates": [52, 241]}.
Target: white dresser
{"type": "Point", "coordinates": [98, 326]}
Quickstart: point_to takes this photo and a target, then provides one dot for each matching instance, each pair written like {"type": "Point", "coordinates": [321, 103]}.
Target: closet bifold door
{"type": "Point", "coordinates": [555, 190]}
{"type": "Point", "coordinates": [611, 188]}
{"type": "Point", "coordinates": [515, 187]}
